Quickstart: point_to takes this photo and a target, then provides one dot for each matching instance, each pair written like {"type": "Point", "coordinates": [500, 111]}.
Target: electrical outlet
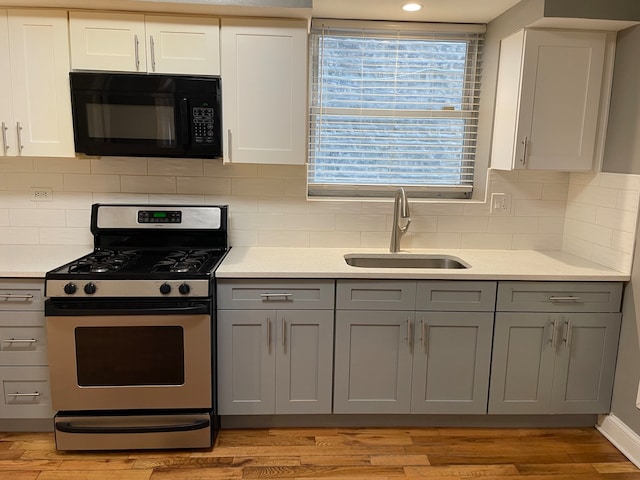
{"type": "Point", "coordinates": [41, 194]}
{"type": "Point", "coordinates": [501, 203]}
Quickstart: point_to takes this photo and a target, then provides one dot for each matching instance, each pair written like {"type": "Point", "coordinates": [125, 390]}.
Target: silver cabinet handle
{"type": "Point", "coordinates": [19, 340]}
{"type": "Point", "coordinates": [5, 144]}
{"type": "Point", "coordinates": [229, 145]}
{"type": "Point", "coordinates": [284, 333]}
{"type": "Point", "coordinates": [284, 296]}
{"type": "Point", "coordinates": [268, 334]}
{"type": "Point", "coordinates": [409, 342]}
{"type": "Point", "coordinates": [19, 131]}
{"type": "Point", "coordinates": [17, 394]}
{"type": "Point", "coordinates": [566, 338]}
{"type": "Point", "coordinates": [525, 142]}
{"type": "Point", "coordinates": [567, 299]}
{"type": "Point", "coordinates": [152, 46]}
{"type": "Point", "coordinates": [14, 296]}
{"type": "Point", "coordinates": [554, 335]}
{"type": "Point", "coordinates": [136, 44]}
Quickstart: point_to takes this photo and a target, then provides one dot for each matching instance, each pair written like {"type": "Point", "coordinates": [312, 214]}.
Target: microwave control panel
{"type": "Point", "coordinates": [203, 124]}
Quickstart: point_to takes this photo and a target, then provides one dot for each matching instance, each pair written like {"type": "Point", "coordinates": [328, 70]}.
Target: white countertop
{"type": "Point", "coordinates": [23, 261]}
{"type": "Point", "coordinates": [266, 262]}
{"type": "Point", "coordinates": [33, 261]}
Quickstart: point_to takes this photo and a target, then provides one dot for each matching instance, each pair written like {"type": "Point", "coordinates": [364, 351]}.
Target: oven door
{"type": "Point", "coordinates": [130, 361]}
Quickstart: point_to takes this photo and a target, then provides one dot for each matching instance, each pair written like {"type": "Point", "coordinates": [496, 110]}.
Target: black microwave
{"type": "Point", "coordinates": [123, 114]}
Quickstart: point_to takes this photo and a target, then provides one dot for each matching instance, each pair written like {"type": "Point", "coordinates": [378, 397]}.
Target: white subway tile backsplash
{"type": "Point", "coordinates": [67, 165]}
{"type": "Point", "coordinates": [119, 165]}
{"type": "Point", "coordinates": [143, 184]}
{"type": "Point", "coordinates": [203, 185]}
{"type": "Point", "coordinates": [91, 183]}
{"type": "Point", "coordinates": [37, 218]}
{"type": "Point", "coordinates": [580, 213]}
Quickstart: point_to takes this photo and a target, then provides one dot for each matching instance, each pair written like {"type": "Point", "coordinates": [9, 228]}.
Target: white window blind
{"type": "Point", "coordinates": [393, 105]}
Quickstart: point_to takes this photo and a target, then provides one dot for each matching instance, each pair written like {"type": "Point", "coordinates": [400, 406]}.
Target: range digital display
{"type": "Point", "coordinates": [159, 216]}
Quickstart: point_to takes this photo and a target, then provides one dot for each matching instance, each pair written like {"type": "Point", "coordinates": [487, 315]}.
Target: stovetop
{"type": "Point", "coordinates": [146, 251]}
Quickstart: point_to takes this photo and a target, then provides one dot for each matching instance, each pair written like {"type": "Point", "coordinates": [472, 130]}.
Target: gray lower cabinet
{"type": "Point", "coordinates": [560, 359]}
{"type": "Point", "coordinates": [403, 360]}
{"type": "Point", "coordinates": [24, 374]}
{"type": "Point", "coordinates": [274, 361]}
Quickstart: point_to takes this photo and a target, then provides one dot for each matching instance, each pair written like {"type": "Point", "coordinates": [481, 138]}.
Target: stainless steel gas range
{"type": "Point", "coordinates": [131, 330]}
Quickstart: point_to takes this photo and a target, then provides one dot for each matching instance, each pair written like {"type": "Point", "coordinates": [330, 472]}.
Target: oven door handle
{"type": "Point", "coordinates": [69, 427]}
{"type": "Point", "coordinates": [55, 309]}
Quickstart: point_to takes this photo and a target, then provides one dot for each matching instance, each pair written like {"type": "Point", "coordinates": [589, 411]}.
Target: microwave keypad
{"type": "Point", "coordinates": [203, 124]}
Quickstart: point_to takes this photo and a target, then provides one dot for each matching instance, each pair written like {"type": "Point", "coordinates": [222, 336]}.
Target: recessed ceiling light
{"type": "Point", "coordinates": [411, 7]}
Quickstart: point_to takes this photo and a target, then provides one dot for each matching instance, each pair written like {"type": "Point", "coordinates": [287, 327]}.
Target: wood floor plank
{"type": "Point", "coordinates": [314, 471]}
{"type": "Point", "coordinates": [461, 470]}
{"type": "Point", "coordinates": [485, 459]}
{"type": "Point", "coordinates": [95, 475]}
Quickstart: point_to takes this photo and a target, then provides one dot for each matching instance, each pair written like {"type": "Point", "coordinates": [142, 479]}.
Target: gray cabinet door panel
{"type": "Point", "coordinates": [304, 361]}
{"type": "Point", "coordinates": [456, 296]}
{"type": "Point", "coordinates": [451, 362]}
{"type": "Point", "coordinates": [585, 363]}
{"type": "Point", "coordinates": [522, 364]}
{"type": "Point", "coordinates": [373, 362]}
{"type": "Point", "coordinates": [246, 362]}
{"type": "Point", "coordinates": [376, 295]}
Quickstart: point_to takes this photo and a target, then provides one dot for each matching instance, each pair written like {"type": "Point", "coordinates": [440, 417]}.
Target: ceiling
{"type": "Point", "coordinates": [451, 11]}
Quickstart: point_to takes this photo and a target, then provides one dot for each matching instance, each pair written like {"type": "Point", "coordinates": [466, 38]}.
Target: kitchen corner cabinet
{"type": "Point", "coordinates": [129, 42]}
{"type": "Point", "coordinates": [555, 347]}
{"type": "Point", "coordinates": [275, 346]}
{"type": "Point", "coordinates": [23, 351]}
{"type": "Point", "coordinates": [547, 100]}
{"type": "Point", "coordinates": [35, 109]}
{"type": "Point", "coordinates": [264, 101]}
{"type": "Point", "coordinates": [413, 347]}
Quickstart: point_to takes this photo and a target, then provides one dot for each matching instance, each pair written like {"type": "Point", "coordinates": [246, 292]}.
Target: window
{"type": "Point", "coordinates": [393, 105]}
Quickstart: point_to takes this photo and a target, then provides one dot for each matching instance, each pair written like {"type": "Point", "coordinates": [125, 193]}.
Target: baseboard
{"type": "Point", "coordinates": [621, 436]}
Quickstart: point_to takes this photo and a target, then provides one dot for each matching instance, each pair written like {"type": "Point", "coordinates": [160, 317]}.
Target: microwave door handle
{"type": "Point", "coordinates": [185, 121]}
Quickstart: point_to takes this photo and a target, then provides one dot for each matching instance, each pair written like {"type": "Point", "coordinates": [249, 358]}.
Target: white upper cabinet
{"type": "Point", "coordinates": [36, 113]}
{"type": "Point", "coordinates": [548, 98]}
{"type": "Point", "coordinates": [145, 43]}
{"type": "Point", "coordinates": [264, 74]}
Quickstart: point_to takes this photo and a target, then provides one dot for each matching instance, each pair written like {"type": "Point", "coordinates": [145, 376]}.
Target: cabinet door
{"type": "Point", "coordinates": [264, 65]}
{"type": "Point", "coordinates": [7, 125]}
{"type": "Point", "coordinates": [452, 355]}
{"type": "Point", "coordinates": [523, 362]}
{"type": "Point", "coordinates": [25, 392]}
{"type": "Point", "coordinates": [183, 45]}
{"type": "Point", "coordinates": [112, 41]}
{"type": "Point", "coordinates": [560, 98]}
{"type": "Point", "coordinates": [246, 362]}
{"type": "Point", "coordinates": [373, 361]}
{"type": "Point", "coordinates": [585, 364]}
{"type": "Point", "coordinates": [304, 361]}
{"type": "Point", "coordinates": [39, 62]}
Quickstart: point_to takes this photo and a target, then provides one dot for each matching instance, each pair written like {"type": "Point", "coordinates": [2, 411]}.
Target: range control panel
{"type": "Point", "coordinates": [159, 216]}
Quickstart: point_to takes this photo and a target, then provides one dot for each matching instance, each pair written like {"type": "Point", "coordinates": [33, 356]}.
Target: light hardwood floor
{"type": "Point", "coordinates": [336, 454]}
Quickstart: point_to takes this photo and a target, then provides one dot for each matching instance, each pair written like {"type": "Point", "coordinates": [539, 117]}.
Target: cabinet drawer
{"type": "Point", "coordinates": [25, 392]}
{"type": "Point", "coordinates": [23, 340]}
{"type": "Point", "coordinates": [459, 296]}
{"type": "Point", "coordinates": [261, 294]}
{"type": "Point", "coordinates": [21, 295]}
{"type": "Point", "coordinates": [559, 296]}
{"type": "Point", "coordinates": [376, 295]}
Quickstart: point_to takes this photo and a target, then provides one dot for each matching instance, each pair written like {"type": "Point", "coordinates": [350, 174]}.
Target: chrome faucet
{"type": "Point", "coordinates": [400, 211]}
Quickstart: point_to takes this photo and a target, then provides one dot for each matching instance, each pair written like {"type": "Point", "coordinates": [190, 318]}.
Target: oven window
{"type": "Point", "coordinates": [138, 122]}
{"type": "Point", "coordinates": [129, 356]}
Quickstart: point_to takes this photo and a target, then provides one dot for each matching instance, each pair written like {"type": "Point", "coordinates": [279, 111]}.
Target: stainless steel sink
{"type": "Point", "coordinates": [408, 260]}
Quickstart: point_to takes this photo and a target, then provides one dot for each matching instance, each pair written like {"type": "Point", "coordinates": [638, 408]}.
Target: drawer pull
{"type": "Point", "coordinates": [17, 394]}
{"type": "Point", "coordinates": [568, 299]}
{"type": "Point", "coordinates": [19, 340]}
{"type": "Point", "coordinates": [267, 296]}
{"type": "Point", "coordinates": [14, 296]}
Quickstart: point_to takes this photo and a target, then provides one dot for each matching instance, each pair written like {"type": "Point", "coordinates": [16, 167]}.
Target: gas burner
{"type": "Point", "coordinates": [102, 261]}
{"type": "Point", "coordinates": [182, 261]}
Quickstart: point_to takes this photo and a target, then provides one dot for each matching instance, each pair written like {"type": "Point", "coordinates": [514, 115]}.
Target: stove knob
{"type": "Point", "coordinates": [165, 288]}
{"type": "Point", "coordinates": [90, 288]}
{"type": "Point", "coordinates": [184, 289]}
{"type": "Point", "coordinates": [70, 288]}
